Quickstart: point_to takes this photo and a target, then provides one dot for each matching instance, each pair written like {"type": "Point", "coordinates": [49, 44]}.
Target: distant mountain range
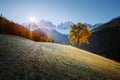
{"type": "Point", "coordinates": [62, 28]}
{"type": "Point", "coordinates": [59, 33]}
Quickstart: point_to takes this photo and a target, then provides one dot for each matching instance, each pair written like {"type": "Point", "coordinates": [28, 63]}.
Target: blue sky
{"type": "Point", "coordinates": [56, 11]}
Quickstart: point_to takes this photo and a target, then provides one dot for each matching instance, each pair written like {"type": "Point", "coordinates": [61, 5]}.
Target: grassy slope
{"type": "Point", "coordinates": [22, 59]}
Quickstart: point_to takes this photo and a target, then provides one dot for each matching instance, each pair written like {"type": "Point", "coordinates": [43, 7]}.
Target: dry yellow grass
{"type": "Point", "coordinates": [22, 59]}
{"type": "Point", "coordinates": [81, 57]}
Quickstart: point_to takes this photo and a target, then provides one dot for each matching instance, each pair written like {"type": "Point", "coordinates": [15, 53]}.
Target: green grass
{"type": "Point", "coordinates": [23, 59]}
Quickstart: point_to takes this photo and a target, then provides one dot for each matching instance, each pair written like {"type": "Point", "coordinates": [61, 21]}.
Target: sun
{"type": "Point", "coordinates": [31, 19]}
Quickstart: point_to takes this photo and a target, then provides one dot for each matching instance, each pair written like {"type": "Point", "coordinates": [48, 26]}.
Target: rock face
{"type": "Point", "coordinates": [105, 40]}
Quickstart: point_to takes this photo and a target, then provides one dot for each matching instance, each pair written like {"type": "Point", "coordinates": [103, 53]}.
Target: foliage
{"type": "Point", "coordinates": [79, 33]}
{"type": "Point", "coordinates": [49, 39]}
{"type": "Point", "coordinates": [9, 27]}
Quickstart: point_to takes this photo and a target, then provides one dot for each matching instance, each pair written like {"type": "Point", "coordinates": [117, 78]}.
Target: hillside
{"type": "Point", "coordinates": [23, 59]}
{"type": "Point", "coordinates": [59, 38]}
{"type": "Point", "coordinates": [105, 40]}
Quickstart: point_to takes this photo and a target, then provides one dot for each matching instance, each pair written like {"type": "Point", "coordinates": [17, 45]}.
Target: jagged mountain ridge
{"type": "Point", "coordinates": [62, 28]}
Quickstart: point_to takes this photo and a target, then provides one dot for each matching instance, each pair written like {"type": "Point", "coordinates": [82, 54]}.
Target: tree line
{"type": "Point", "coordinates": [9, 27]}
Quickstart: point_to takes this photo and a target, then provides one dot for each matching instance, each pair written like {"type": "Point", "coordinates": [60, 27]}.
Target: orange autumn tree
{"type": "Point", "coordinates": [79, 33]}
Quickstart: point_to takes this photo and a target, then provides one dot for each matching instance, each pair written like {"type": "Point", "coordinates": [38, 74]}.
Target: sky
{"type": "Point", "coordinates": [57, 11]}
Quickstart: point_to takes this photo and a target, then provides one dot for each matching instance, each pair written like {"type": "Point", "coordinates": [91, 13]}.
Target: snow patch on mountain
{"type": "Point", "coordinates": [62, 28]}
